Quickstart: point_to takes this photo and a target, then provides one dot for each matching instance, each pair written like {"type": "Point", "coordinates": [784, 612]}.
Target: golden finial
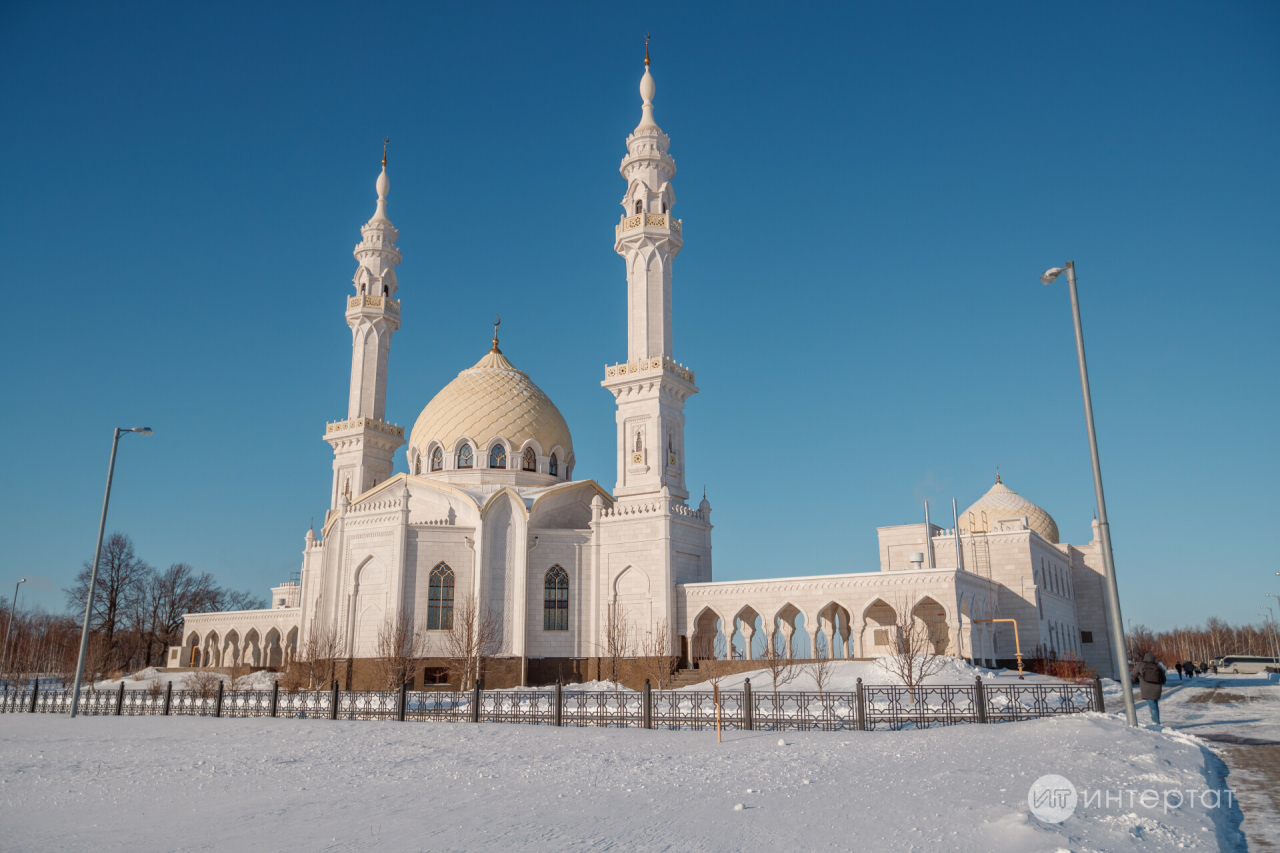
{"type": "Point", "coordinates": [385, 143]}
{"type": "Point", "coordinates": [997, 473]}
{"type": "Point", "coordinates": [646, 50]}
{"type": "Point", "coordinates": [495, 336]}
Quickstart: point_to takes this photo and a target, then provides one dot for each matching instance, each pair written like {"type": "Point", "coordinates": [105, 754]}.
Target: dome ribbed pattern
{"type": "Point", "coordinates": [1003, 502]}
{"type": "Point", "coordinates": [492, 399]}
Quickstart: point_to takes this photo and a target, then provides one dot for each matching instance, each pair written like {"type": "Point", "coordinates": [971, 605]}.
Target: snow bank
{"type": "Point", "coordinates": [845, 675]}
{"type": "Point", "coordinates": [307, 785]}
{"type": "Point", "coordinates": [143, 679]}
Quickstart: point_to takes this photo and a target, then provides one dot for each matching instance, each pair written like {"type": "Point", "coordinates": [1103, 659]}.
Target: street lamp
{"type": "Point", "coordinates": [1108, 563]}
{"type": "Point", "coordinates": [97, 555]}
{"type": "Point", "coordinates": [1275, 644]}
{"type": "Point", "coordinates": [13, 611]}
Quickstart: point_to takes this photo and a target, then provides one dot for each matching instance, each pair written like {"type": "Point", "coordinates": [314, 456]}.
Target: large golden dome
{"type": "Point", "coordinates": [1003, 502]}
{"type": "Point", "coordinates": [491, 400]}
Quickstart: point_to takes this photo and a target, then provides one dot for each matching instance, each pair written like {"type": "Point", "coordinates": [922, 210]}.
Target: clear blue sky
{"type": "Point", "coordinates": [869, 193]}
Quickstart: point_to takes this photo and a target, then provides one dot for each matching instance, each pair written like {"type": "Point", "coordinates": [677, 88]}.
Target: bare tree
{"type": "Point", "coordinates": [618, 646]}
{"type": "Point", "coordinates": [709, 656]}
{"type": "Point", "coordinates": [821, 670]}
{"type": "Point", "coordinates": [657, 655]}
{"type": "Point", "coordinates": [203, 683]}
{"type": "Point", "coordinates": [915, 654]}
{"type": "Point", "coordinates": [782, 671]}
{"type": "Point", "coordinates": [120, 582]}
{"type": "Point", "coordinates": [472, 639]}
{"type": "Point", "coordinates": [318, 657]}
{"type": "Point", "coordinates": [400, 647]}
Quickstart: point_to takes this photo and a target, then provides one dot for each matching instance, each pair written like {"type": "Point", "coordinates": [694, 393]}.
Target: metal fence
{"type": "Point", "coordinates": [869, 707]}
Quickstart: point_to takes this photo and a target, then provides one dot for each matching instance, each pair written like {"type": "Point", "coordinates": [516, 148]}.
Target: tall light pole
{"type": "Point", "coordinates": [1275, 644]}
{"type": "Point", "coordinates": [13, 611]}
{"type": "Point", "coordinates": [1108, 563]}
{"type": "Point", "coordinates": [97, 555]}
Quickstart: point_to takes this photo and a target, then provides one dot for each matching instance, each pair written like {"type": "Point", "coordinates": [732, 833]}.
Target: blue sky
{"type": "Point", "coordinates": [869, 193]}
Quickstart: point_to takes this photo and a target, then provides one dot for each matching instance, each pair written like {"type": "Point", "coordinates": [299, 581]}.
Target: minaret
{"type": "Point", "coordinates": [650, 388]}
{"type": "Point", "coordinates": [364, 443]}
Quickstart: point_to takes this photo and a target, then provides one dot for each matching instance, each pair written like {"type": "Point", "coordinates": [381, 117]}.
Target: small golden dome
{"type": "Point", "coordinates": [1000, 501]}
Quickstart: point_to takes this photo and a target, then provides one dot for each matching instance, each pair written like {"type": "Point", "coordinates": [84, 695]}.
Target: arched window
{"type": "Point", "coordinates": [530, 459]}
{"type": "Point", "coordinates": [464, 456]}
{"type": "Point", "coordinates": [497, 456]}
{"type": "Point", "coordinates": [639, 206]}
{"type": "Point", "coordinates": [553, 466]}
{"type": "Point", "coordinates": [555, 600]}
{"type": "Point", "coordinates": [440, 599]}
{"type": "Point", "coordinates": [417, 465]}
{"type": "Point", "coordinates": [437, 459]}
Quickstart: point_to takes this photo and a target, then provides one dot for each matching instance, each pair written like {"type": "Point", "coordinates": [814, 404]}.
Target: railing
{"type": "Point", "coordinates": [649, 220]}
{"type": "Point", "coordinates": [869, 707]}
{"type": "Point", "coordinates": [370, 423]}
{"type": "Point", "coordinates": [373, 302]}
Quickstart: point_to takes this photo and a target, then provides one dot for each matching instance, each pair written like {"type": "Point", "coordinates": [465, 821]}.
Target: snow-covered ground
{"type": "Point", "coordinates": [147, 783]}
{"type": "Point", "coordinates": [144, 679]}
{"type": "Point", "coordinates": [845, 675]}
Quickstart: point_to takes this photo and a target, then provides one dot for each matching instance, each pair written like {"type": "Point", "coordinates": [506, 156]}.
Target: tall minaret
{"type": "Point", "coordinates": [651, 387]}
{"type": "Point", "coordinates": [364, 444]}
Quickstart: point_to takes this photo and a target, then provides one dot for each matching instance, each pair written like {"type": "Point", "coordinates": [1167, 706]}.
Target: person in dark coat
{"type": "Point", "coordinates": [1150, 677]}
{"type": "Point", "coordinates": [1190, 668]}
{"type": "Point", "coordinates": [1179, 667]}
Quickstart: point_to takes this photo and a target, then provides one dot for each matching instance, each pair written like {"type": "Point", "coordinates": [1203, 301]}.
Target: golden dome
{"type": "Point", "coordinates": [491, 400]}
{"type": "Point", "coordinates": [1003, 502]}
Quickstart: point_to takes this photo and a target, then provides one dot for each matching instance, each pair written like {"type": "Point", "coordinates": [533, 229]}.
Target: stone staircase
{"type": "Point", "coordinates": [685, 678]}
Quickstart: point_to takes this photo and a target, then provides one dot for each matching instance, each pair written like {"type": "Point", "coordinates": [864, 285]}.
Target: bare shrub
{"type": "Point", "coordinates": [318, 658]}
{"type": "Point", "coordinates": [618, 647]}
{"type": "Point", "coordinates": [821, 670]}
{"type": "Point", "coordinates": [658, 657]}
{"type": "Point", "coordinates": [472, 640]}
{"type": "Point", "coordinates": [155, 689]}
{"type": "Point", "coordinates": [782, 671]}
{"type": "Point", "coordinates": [915, 650]}
{"type": "Point", "coordinates": [204, 683]}
{"type": "Point", "coordinates": [400, 647]}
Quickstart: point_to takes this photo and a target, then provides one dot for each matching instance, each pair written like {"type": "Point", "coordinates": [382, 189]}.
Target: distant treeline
{"type": "Point", "coordinates": [137, 614]}
{"type": "Point", "coordinates": [1201, 644]}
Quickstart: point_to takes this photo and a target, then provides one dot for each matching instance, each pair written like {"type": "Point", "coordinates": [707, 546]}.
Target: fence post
{"type": "Point", "coordinates": [217, 707]}
{"type": "Point", "coordinates": [119, 698]}
{"type": "Point", "coordinates": [559, 712]}
{"type": "Point", "coordinates": [862, 708]}
{"type": "Point", "coordinates": [648, 705]}
{"type": "Point", "coordinates": [748, 706]}
{"type": "Point", "coordinates": [1097, 695]}
{"type": "Point", "coordinates": [35, 691]}
{"type": "Point", "coordinates": [275, 697]}
{"type": "Point", "coordinates": [333, 701]}
{"type": "Point", "coordinates": [980, 699]}
{"type": "Point", "coordinates": [168, 697]}
{"type": "Point", "coordinates": [404, 695]}
{"type": "Point", "coordinates": [475, 702]}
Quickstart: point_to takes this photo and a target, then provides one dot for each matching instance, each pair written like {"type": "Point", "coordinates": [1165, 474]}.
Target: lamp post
{"type": "Point", "coordinates": [13, 611]}
{"type": "Point", "coordinates": [1108, 563]}
{"type": "Point", "coordinates": [93, 570]}
{"type": "Point", "coordinates": [1275, 645]}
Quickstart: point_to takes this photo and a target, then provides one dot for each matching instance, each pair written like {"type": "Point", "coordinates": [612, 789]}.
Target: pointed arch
{"type": "Point", "coordinates": [440, 585]}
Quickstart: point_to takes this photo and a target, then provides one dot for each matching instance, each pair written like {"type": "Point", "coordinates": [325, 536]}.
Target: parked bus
{"type": "Point", "coordinates": [1245, 663]}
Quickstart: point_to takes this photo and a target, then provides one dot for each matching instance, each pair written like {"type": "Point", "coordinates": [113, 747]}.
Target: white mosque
{"type": "Point", "coordinates": [490, 511]}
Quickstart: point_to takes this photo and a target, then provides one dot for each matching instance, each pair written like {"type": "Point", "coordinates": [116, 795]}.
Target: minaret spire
{"type": "Point", "coordinates": [648, 237]}
{"type": "Point", "coordinates": [363, 444]}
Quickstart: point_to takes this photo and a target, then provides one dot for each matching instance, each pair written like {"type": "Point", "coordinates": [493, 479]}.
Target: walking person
{"type": "Point", "coordinates": [1178, 665]}
{"type": "Point", "coordinates": [1150, 677]}
{"type": "Point", "coordinates": [1190, 669]}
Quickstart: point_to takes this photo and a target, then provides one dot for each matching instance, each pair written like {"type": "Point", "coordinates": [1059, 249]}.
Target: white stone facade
{"type": "Point", "coordinates": [490, 509]}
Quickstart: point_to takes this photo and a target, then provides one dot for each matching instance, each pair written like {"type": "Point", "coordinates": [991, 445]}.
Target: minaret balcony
{"type": "Point", "coordinates": [648, 220]}
{"type": "Point", "coordinates": [392, 306]}
{"type": "Point", "coordinates": [364, 423]}
{"type": "Point", "coordinates": [648, 365]}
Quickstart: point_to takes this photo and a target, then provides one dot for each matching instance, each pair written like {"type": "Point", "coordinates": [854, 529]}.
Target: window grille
{"type": "Point", "coordinates": [437, 459]}
{"type": "Point", "coordinates": [555, 601]}
{"type": "Point", "coordinates": [440, 599]}
{"type": "Point", "coordinates": [465, 456]}
{"type": "Point", "coordinates": [497, 456]}
{"type": "Point", "coordinates": [530, 460]}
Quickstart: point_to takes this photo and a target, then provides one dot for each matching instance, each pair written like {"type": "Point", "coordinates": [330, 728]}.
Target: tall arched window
{"type": "Point", "coordinates": [440, 599]}
{"type": "Point", "coordinates": [437, 459]}
{"type": "Point", "coordinates": [465, 456]}
{"type": "Point", "coordinates": [497, 456]}
{"type": "Point", "coordinates": [553, 466]}
{"type": "Point", "coordinates": [555, 600]}
{"type": "Point", "coordinates": [530, 459]}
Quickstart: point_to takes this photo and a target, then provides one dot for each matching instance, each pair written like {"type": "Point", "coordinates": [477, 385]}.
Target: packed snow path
{"type": "Point", "coordinates": [153, 784]}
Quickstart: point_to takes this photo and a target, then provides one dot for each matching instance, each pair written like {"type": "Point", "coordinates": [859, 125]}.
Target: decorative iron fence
{"type": "Point", "coordinates": [869, 707]}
